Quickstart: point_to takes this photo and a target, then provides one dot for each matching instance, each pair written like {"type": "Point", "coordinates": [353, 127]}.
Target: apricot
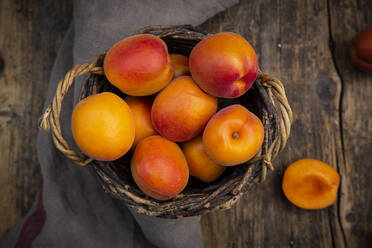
{"type": "Point", "coordinates": [200, 164]}
{"type": "Point", "coordinates": [159, 168]}
{"type": "Point", "coordinates": [102, 126]}
{"type": "Point", "coordinates": [233, 135]}
{"type": "Point", "coordinates": [181, 110]}
{"type": "Point", "coordinates": [141, 110]}
{"type": "Point", "coordinates": [139, 65]}
{"type": "Point", "coordinates": [224, 65]}
{"type": "Point", "coordinates": [310, 184]}
{"type": "Point", "coordinates": [361, 50]}
{"type": "Point", "coordinates": [180, 65]}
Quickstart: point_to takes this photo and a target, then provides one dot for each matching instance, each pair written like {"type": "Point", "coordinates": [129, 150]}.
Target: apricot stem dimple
{"type": "Point", "coordinates": [235, 135]}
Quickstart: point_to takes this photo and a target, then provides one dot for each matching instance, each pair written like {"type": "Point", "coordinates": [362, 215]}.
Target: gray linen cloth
{"type": "Point", "coordinates": [72, 210]}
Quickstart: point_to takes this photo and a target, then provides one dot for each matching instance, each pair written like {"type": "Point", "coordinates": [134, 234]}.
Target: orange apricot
{"type": "Point", "coordinates": [141, 110]}
{"type": "Point", "coordinates": [180, 65]}
{"type": "Point", "coordinates": [139, 65]}
{"type": "Point", "coordinates": [102, 126]}
{"type": "Point", "coordinates": [310, 184]}
{"type": "Point", "coordinates": [200, 164]}
{"type": "Point", "coordinates": [159, 168]}
{"type": "Point", "coordinates": [233, 135]}
{"type": "Point", "coordinates": [224, 65]}
{"type": "Point", "coordinates": [181, 110]}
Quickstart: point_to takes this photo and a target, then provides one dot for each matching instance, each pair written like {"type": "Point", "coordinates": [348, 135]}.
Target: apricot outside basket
{"type": "Point", "coordinates": [266, 99]}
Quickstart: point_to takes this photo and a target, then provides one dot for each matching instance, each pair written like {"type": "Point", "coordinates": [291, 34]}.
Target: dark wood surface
{"type": "Point", "coordinates": [304, 43]}
{"type": "Point", "coordinates": [30, 34]}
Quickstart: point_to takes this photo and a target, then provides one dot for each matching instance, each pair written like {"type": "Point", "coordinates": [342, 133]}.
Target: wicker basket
{"type": "Point", "coordinates": [266, 99]}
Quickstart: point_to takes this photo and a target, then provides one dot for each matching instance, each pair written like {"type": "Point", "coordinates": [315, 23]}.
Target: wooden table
{"type": "Point", "coordinates": [304, 43]}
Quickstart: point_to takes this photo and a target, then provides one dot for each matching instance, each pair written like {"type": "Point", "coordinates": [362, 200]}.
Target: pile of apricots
{"type": "Point", "coordinates": [169, 121]}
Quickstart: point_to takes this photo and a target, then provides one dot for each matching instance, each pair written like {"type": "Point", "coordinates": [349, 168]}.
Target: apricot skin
{"type": "Point", "coordinates": [102, 126]}
{"type": "Point", "coordinates": [200, 164]}
{"type": "Point", "coordinates": [181, 110]}
{"type": "Point", "coordinates": [361, 50]}
{"type": "Point", "coordinates": [224, 65]}
{"type": "Point", "coordinates": [233, 135]}
{"type": "Point", "coordinates": [159, 168]}
{"type": "Point", "coordinates": [141, 110]}
{"type": "Point", "coordinates": [180, 65]}
{"type": "Point", "coordinates": [139, 65]}
{"type": "Point", "coordinates": [310, 184]}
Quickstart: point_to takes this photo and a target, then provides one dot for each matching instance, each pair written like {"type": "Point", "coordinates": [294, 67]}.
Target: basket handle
{"type": "Point", "coordinates": [50, 119]}
{"type": "Point", "coordinates": [278, 98]}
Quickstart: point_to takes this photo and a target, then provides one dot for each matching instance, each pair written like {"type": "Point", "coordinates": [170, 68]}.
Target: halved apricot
{"type": "Point", "coordinates": [311, 184]}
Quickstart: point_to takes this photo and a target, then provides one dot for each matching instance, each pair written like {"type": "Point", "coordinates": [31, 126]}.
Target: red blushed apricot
{"type": "Point", "coordinates": [200, 164]}
{"type": "Point", "coordinates": [180, 65]}
{"type": "Point", "coordinates": [139, 65]}
{"type": "Point", "coordinates": [233, 135]}
{"type": "Point", "coordinates": [141, 110]}
{"type": "Point", "coordinates": [311, 184]}
{"type": "Point", "coordinates": [361, 50]}
{"type": "Point", "coordinates": [159, 168]}
{"type": "Point", "coordinates": [181, 110]}
{"type": "Point", "coordinates": [224, 65]}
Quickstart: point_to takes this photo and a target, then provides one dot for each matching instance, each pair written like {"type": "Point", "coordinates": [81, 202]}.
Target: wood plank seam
{"type": "Point", "coordinates": [332, 51]}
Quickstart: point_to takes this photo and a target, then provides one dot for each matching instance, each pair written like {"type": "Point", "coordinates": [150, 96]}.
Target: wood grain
{"type": "Point", "coordinates": [292, 41]}
{"type": "Point", "coordinates": [31, 33]}
{"type": "Point", "coordinates": [348, 18]}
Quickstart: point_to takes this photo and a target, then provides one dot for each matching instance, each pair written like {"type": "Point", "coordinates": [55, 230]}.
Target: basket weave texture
{"type": "Point", "coordinates": [267, 99]}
